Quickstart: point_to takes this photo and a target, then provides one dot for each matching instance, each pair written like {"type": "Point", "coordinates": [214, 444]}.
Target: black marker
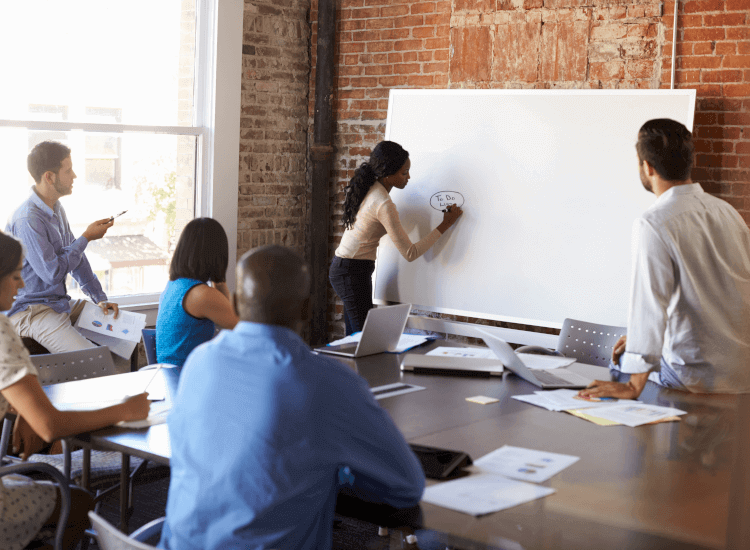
{"type": "Point", "coordinates": [117, 216]}
{"type": "Point", "coordinates": [447, 209]}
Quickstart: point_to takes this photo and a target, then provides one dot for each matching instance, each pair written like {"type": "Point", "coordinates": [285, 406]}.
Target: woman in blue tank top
{"type": "Point", "coordinates": [196, 298]}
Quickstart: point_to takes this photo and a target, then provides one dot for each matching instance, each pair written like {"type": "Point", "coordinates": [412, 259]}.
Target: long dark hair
{"type": "Point", "coordinates": [385, 159]}
{"type": "Point", "coordinates": [202, 252]}
{"type": "Point", "coordinates": [11, 252]}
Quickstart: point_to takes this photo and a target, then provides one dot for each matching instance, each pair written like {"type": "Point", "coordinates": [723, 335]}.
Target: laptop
{"type": "Point", "coordinates": [381, 332]}
{"type": "Point", "coordinates": [544, 379]}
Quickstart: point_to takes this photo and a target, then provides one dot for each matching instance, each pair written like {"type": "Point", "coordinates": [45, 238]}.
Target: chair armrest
{"type": "Point", "coordinates": [151, 529]}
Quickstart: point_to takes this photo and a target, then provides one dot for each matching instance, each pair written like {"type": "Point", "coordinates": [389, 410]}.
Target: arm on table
{"type": "Point", "coordinates": [41, 417]}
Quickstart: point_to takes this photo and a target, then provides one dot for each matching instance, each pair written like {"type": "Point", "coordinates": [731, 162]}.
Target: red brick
{"type": "Point", "coordinates": [423, 32]}
{"type": "Point", "coordinates": [738, 33]}
{"type": "Point", "coordinates": [364, 105]}
{"type": "Point", "coordinates": [699, 62]}
{"type": "Point", "coordinates": [409, 21]}
{"type": "Point", "coordinates": [738, 5]}
{"type": "Point", "coordinates": [374, 115]}
{"type": "Point", "coordinates": [365, 36]}
{"type": "Point", "coordinates": [440, 55]}
{"type": "Point", "coordinates": [362, 82]}
{"type": "Point", "coordinates": [406, 68]}
{"type": "Point", "coordinates": [563, 51]}
{"type": "Point", "coordinates": [516, 55]}
{"type": "Point", "coordinates": [702, 146]}
{"type": "Point", "coordinates": [641, 31]}
{"type": "Point", "coordinates": [366, 13]}
{"type": "Point", "coordinates": [703, 48]}
{"type": "Point", "coordinates": [394, 11]}
{"type": "Point", "coordinates": [689, 22]}
{"type": "Point", "coordinates": [638, 49]}
{"type": "Point", "coordinates": [608, 31]}
{"type": "Point", "coordinates": [471, 54]}
{"type": "Point", "coordinates": [411, 56]}
{"type": "Point", "coordinates": [725, 48]}
{"type": "Point", "coordinates": [426, 7]}
{"type": "Point", "coordinates": [385, 46]}
{"type": "Point", "coordinates": [708, 90]}
{"type": "Point", "coordinates": [481, 5]}
{"type": "Point", "coordinates": [722, 146]}
{"type": "Point", "coordinates": [700, 6]}
{"type": "Point", "coordinates": [699, 35]}
{"type": "Point", "coordinates": [443, 18]}
{"type": "Point", "coordinates": [425, 56]}
{"type": "Point", "coordinates": [421, 81]}
{"type": "Point", "coordinates": [744, 161]}
{"type": "Point", "coordinates": [734, 119]}
{"type": "Point", "coordinates": [738, 61]}
{"type": "Point", "coordinates": [350, 94]}
{"type": "Point", "coordinates": [721, 104]}
{"type": "Point", "coordinates": [396, 57]}
{"type": "Point", "coordinates": [721, 76]}
{"type": "Point", "coordinates": [718, 132]}
{"type": "Point", "coordinates": [379, 70]}
{"type": "Point", "coordinates": [390, 81]}
{"type": "Point", "coordinates": [379, 23]}
{"type": "Point", "coordinates": [402, 45]}
{"type": "Point", "coordinates": [684, 77]}
{"type": "Point", "coordinates": [737, 90]}
{"type": "Point", "coordinates": [352, 47]}
{"type": "Point", "coordinates": [443, 67]}
{"type": "Point", "coordinates": [394, 34]}
{"type": "Point", "coordinates": [724, 20]}
{"type": "Point", "coordinates": [743, 148]}
{"type": "Point", "coordinates": [351, 25]}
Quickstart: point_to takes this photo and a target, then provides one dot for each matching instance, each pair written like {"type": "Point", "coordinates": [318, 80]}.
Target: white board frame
{"type": "Point", "coordinates": [380, 297]}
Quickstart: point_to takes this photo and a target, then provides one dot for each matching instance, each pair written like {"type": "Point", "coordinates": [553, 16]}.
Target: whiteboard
{"type": "Point", "coordinates": [549, 184]}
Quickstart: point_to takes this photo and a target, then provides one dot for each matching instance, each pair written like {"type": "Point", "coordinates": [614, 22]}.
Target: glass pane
{"type": "Point", "coordinates": [152, 176]}
{"type": "Point", "coordinates": [99, 61]}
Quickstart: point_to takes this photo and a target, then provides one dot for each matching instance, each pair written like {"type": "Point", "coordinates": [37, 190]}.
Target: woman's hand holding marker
{"type": "Point", "coordinates": [450, 216]}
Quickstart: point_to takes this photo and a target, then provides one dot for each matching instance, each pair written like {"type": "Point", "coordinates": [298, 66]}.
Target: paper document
{"type": "Point", "coordinates": [524, 464]}
{"type": "Point", "coordinates": [406, 342]}
{"type": "Point", "coordinates": [121, 335]}
{"type": "Point", "coordinates": [152, 420]}
{"type": "Point", "coordinates": [131, 383]}
{"type": "Point", "coordinates": [565, 400]}
{"type": "Point", "coordinates": [536, 361]}
{"type": "Point", "coordinates": [634, 414]}
{"type": "Point", "coordinates": [483, 493]}
{"type": "Point", "coordinates": [476, 353]}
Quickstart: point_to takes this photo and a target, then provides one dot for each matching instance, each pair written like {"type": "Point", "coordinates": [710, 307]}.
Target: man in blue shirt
{"type": "Point", "coordinates": [265, 433]}
{"type": "Point", "coordinates": [42, 310]}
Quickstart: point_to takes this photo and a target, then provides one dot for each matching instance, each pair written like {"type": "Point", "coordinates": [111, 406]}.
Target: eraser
{"type": "Point", "coordinates": [482, 399]}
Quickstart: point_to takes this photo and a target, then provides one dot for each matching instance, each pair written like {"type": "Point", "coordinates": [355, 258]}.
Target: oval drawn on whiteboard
{"type": "Point", "coordinates": [441, 199]}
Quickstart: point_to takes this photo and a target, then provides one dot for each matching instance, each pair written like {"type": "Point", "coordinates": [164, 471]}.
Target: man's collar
{"type": "Point", "coordinates": [683, 189]}
{"type": "Point", "coordinates": [268, 331]}
{"type": "Point", "coordinates": [39, 202]}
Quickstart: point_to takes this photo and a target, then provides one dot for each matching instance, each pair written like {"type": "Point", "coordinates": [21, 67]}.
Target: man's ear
{"type": "Point", "coordinates": [648, 168]}
{"type": "Point", "coordinates": [48, 177]}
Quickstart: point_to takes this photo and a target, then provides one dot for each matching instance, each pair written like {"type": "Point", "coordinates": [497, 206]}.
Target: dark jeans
{"type": "Point", "coordinates": [352, 281]}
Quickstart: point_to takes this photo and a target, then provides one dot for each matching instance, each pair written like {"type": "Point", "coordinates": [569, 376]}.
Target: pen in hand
{"type": "Point", "coordinates": [117, 216]}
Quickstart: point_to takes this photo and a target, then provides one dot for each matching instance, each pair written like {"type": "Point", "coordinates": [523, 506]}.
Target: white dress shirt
{"type": "Point", "coordinates": [690, 292]}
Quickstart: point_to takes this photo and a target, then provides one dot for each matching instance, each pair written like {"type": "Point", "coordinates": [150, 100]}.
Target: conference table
{"type": "Point", "coordinates": [674, 485]}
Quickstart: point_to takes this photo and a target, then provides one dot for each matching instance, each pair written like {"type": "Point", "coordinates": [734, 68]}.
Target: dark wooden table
{"type": "Point", "coordinates": [677, 485]}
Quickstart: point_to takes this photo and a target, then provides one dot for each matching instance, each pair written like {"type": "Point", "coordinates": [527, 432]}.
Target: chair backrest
{"type": "Point", "coordinates": [46, 469]}
{"type": "Point", "coordinates": [149, 344]}
{"type": "Point", "coordinates": [110, 538]}
{"type": "Point", "coordinates": [55, 368]}
{"type": "Point", "coordinates": [588, 342]}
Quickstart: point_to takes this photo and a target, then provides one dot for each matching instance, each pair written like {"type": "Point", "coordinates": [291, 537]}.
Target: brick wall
{"type": "Point", "coordinates": [544, 44]}
{"type": "Point", "coordinates": [273, 125]}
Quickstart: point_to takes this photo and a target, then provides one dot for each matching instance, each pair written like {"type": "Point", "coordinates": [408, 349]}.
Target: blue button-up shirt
{"type": "Point", "coordinates": [262, 433]}
{"type": "Point", "coordinates": [52, 251]}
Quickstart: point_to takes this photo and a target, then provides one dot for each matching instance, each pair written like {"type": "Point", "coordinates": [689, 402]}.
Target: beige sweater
{"type": "Point", "coordinates": [377, 216]}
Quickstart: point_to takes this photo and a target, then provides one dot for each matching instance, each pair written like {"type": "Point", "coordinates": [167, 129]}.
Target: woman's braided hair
{"type": "Point", "coordinates": [386, 159]}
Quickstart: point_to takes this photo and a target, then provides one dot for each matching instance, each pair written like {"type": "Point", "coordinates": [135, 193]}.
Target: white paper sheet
{"type": "Point", "coordinates": [544, 362]}
{"type": "Point", "coordinates": [483, 493]}
{"type": "Point", "coordinates": [478, 353]}
{"type": "Point", "coordinates": [152, 420]}
{"type": "Point", "coordinates": [524, 464]}
{"type": "Point", "coordinates": [565, 400]}
{"type": "Point", "coordinates": [406, 342]}
{"type": "Point", "coordinates": [123, 348]}
{"type": "Point", "coordinates": [127, 326]}
{"type": "Point", "coordinates": [634, 414]}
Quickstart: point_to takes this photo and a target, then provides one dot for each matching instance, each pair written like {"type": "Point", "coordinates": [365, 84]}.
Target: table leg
{"type": "Point", "coordinates": [125, 493]}
{"type": "Point", "coordinates": [86, 474]}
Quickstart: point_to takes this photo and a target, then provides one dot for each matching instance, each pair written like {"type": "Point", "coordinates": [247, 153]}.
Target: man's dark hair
{"type": "Point", "coordinates": [202, 252]}
{"type": "Point", "coordinates": [668, 147]}
{"type": "Point", "coordinates": [46, 156]}
{"type": "Point", "coordinates": [11, 252]}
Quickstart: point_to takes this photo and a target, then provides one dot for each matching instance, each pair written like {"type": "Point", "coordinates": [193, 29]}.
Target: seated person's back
{"type": "Point", "coordinates": [189, 309]}
{"type": "Point", "coordinates": [261, 427]}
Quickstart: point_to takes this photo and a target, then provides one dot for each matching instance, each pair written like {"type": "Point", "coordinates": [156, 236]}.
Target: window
{"type": "Point", "coordinates": [136, 90]}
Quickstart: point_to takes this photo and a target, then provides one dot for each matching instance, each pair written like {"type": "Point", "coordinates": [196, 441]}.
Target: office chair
{"type": "Point", "coordinates": [589, 343]}
{"type": "Point", "coordinates": [46, 469]}
{"type": "Point", "coordinates": [149, 344]}
{"type": "Point", "coordinates": [110, 538]}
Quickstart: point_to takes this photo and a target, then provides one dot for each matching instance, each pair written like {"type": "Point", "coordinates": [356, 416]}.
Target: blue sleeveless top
{"type": "Point", "coordinates": [178, 332]}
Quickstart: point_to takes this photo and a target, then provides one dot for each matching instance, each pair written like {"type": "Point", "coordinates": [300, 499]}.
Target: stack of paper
{"type": "Point", "coordinates": [635, 414]}
{"type": "Point", "coordinates": [564, 400]}
{"type": "Point", "coordinates": [489, 489]}
{"type": "Point", "coordinates": [406, 342]}
{"type": "Point", "coordinates": [121, 335]}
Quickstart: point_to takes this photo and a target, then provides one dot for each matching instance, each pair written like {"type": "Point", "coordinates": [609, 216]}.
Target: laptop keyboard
{"type": "Point", "coordinates": [548, 378]}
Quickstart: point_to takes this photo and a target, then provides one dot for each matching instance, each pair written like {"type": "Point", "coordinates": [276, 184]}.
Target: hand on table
{"type": "Point", "coordinates": [107, 306]}
{"type": "Point", "coordinates": [136, 407]}
{"type": "Point", "coordinates": [629, 390]}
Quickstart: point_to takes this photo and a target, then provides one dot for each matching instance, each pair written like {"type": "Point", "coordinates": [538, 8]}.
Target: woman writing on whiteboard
{"type": "Point", "coordinates": [369, 213]}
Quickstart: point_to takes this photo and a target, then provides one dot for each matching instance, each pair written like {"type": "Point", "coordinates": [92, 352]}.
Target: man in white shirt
{"type": "Point", "coordinates": [689, 316]}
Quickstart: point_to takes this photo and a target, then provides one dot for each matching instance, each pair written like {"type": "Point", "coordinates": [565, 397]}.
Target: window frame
{"type": "Point", "coordinates": [216, 127]}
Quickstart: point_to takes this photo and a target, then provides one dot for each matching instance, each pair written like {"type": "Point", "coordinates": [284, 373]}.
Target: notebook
{"type": "Point", "coordinates": [381, 332]}
{"type": "Point", "coordinates": [546, 380]}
